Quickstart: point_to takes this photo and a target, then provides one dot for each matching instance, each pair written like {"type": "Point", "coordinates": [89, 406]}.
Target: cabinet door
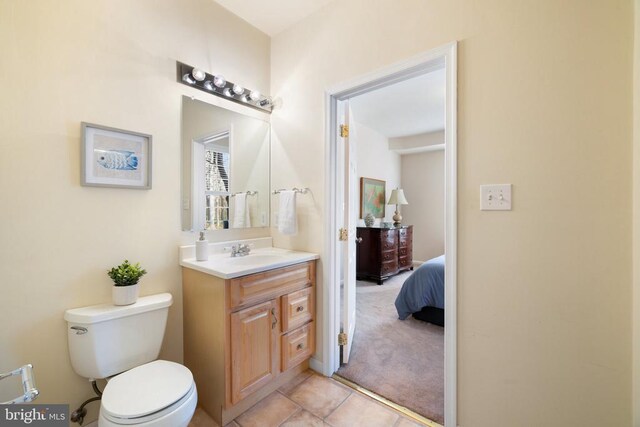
{"type": "Point", "coordinates": [254, 348]}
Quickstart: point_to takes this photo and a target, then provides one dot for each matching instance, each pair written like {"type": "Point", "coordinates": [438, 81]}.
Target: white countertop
{"type": "Point", "coordinates": [261, 258]}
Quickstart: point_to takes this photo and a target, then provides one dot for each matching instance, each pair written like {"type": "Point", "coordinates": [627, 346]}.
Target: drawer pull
{"type": "Point", "coordinates": [300, 346]}
{"type": "Point", "coordinates": [275, 319]}
{"type": "Point", "coordinates": [299, 309]}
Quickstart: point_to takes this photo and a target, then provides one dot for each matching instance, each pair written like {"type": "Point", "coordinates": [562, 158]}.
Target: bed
{"type": "Point", "coordinates": [422, 294]}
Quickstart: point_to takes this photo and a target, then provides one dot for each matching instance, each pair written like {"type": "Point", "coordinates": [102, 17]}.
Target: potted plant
{"type": "Point", "coordinates": [125, 278]}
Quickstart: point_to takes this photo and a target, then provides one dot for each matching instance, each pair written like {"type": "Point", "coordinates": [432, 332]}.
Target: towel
{"type": "Point", "coordinates": [287, 223]}
{"type": "Point", "coordinates": [241, 217]}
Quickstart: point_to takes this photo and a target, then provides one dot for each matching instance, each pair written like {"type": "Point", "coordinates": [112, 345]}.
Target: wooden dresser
{"type": "Point", "coordinates": [384, 252]}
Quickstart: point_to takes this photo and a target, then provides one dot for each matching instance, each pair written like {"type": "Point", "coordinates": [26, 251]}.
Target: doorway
{"type": "Point", "coordinates": [339, 309]}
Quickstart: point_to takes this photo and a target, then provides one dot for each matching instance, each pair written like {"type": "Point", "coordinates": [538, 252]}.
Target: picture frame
{"type": "Point", "coordinates": [372, 197]}
{"type": "Point", "coordinates": [115, 158]}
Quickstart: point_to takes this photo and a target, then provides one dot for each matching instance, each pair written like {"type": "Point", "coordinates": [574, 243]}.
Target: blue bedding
{"type": "Point", "coordinates": [425, 287]}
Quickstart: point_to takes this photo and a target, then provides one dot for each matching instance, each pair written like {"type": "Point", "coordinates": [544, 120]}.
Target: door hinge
{"type": "Point", "coordinates": [343, 234]}
{"type": "Point", "coordinates": [344, 131]}
{"type": "Point", "coordinates": [342, 338]}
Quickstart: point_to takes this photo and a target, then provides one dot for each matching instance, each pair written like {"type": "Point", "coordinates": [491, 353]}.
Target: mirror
{"type": "Point", "coordinates": [225, 168]}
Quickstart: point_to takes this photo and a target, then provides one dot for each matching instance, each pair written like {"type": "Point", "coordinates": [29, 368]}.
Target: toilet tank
{"type": "Point", "coordinates": [106, 339]}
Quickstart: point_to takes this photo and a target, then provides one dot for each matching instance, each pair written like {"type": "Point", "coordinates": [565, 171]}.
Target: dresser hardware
{"type": "Point", "coordinates": [300, 308]}
{"type": "Point", "coordinates": [300, 346]}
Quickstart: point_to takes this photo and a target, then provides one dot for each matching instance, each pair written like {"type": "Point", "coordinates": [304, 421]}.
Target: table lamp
{"type": "Point", "coordinates": [397, 198]}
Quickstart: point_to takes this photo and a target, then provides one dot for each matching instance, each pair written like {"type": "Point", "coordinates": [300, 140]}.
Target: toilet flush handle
{"type": "Point", "coordinates": [79, 330]}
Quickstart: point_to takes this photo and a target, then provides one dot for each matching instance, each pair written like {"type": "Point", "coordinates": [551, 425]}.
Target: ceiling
{"type": "Point", "coordinates": [272, 16]}
{"type": "Point", "coordinates": [406, 108]}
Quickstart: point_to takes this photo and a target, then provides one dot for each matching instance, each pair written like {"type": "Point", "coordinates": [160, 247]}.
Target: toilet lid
{"type": "Point", "coordinates": [146, 389]}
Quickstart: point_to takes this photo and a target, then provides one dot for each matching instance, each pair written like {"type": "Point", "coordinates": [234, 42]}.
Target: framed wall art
{"type": "Point", "coordinates": [372, 197]}
{"type": "Point", "coordinates": [115, 158]}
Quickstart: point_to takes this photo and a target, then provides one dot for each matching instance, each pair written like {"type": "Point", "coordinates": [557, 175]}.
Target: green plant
{"type": "Point", "coordinates": [126, 274]}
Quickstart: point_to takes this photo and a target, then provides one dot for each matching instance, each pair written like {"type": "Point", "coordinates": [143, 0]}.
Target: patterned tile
{"type": "Point", "coordinates": [271, 411]}
{"type": "Point", "coordinates": [319, 395]}
{"type": "Point", "coordinates": [303, 419]}
{"type": "Point", "coordinates": [360, 411]}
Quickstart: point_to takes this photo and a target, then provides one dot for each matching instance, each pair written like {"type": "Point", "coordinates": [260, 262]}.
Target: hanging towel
{"type": "Point", "coordinates": [287, 223]}
{"type": "Point", "coordinates": [241, 217]}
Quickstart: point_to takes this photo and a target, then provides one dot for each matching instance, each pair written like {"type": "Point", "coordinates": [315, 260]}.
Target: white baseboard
{"type": "Point", "coordinates": [316, 365]}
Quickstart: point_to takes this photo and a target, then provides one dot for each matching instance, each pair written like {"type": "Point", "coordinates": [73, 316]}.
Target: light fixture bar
{"type": "Point", "coordinates": [219, 86]}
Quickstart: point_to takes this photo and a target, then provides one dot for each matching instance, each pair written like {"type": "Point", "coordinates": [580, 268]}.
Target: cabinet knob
{"type": "Point", "coordinates": [300, 347]}
{"type": "Point", "coordinates": [299, 309]}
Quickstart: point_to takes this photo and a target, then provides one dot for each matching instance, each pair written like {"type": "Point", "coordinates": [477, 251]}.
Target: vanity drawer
{"type": "Point", "coordinates": [298, 345]}
{"type": "Point", "coordinates": [259, 287]}
{"type": "Point", "coordinates": [297, 308]}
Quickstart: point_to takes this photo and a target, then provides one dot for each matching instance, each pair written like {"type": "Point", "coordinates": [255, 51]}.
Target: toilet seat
{"type": "Point", "coordinates": [147, 392]}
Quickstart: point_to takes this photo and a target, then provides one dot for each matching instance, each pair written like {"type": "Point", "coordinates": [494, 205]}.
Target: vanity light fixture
{"type": "Point", "coordinates": [238, 90]}
{"type": "Point", "coordinates": [219, 86]}
{"type": "Point", "coordinates": [219, 81]}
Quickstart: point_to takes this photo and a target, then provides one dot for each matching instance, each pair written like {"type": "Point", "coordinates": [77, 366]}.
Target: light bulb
{"type": "Point", "coordinates": [198, 74]}
{"type": "Point", "coordinates": [254, 95]}
{"type": "Point", "coordinates": [209, 85]}
{"type": "Point", "coordinates": [238, 90]}
{"type": "Point", "coordinates": [245, 98]}
{"type": "Point", "coordinates": [188, 79]}
{"type": "Point", "coordinates": [219, 80]}
{"type": "Point", "coordinates": [228, 92]}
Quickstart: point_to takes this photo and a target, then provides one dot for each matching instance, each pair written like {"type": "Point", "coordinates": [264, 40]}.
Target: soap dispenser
{"type": "Point", "coordinates": [202, 248]}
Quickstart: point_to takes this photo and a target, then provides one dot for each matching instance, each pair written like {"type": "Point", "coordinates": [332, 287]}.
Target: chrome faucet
{"type": "Point", "coordinates": [240, 250]}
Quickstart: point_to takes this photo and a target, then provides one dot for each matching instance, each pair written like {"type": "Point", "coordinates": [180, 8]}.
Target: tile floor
{"type": "Point", "coordinates": [313, 400]}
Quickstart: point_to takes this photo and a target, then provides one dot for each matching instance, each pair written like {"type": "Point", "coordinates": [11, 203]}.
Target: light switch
{"type": "Point", "coordinates": [495, 197]}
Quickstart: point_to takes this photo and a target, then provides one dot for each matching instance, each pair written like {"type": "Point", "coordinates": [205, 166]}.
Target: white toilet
{"type": "Point", "coordinates": [121, 343]}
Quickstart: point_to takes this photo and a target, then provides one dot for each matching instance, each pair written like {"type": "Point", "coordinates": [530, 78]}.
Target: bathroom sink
{"type": "Point", "coordinates": [222, 264]}
{"type": "Point", "coordinates": [256, 259]}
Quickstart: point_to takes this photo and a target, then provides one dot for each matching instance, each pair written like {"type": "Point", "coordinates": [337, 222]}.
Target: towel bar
{"type": "Point", "coordinates": [249, 193]}
{"type": "Point", "coordinates": [297, 190]}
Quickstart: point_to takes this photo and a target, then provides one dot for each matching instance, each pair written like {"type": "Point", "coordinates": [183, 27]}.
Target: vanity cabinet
{"type": "Point", "coordinates": [245, 337]}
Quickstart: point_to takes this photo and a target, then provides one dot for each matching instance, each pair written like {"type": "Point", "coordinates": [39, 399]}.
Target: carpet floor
{"type": "Point", "coordinates": [401, 360]}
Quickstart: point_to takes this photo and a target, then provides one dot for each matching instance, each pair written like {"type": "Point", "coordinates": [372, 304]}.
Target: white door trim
{"type": "Point", "coordinates": [444, 55]}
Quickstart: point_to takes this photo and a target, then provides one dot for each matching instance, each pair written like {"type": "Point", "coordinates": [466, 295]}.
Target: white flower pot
{"type": "Point", "coordinates": [125, 295]}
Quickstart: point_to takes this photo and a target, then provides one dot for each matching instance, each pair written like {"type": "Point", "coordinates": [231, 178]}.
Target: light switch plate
{"type": "Point", "coordinates": [495, 197]}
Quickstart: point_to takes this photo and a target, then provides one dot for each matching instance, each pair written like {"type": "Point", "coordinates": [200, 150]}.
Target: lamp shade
{"type": "Point", "coordinates": [397, 197]}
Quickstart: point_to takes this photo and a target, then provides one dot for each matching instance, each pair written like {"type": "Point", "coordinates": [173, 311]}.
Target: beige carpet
{"type": "Point", "coordinates": [402, 360]}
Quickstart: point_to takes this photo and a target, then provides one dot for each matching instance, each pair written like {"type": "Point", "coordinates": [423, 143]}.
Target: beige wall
{"type": "Point", "coordinates": [415, 142]}
{"type": "Point", "coordinates": [545, 102]}
{"type": "Point", "coordinates": [374, 160]}
{"type": "Point", "coordinates": [636, 216]}
{"type": "Point", "coordinates": [423, 184]}
{"type": "Point", "coordinates": [110, 62]}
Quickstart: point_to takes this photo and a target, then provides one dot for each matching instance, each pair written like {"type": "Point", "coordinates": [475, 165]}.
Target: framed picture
{"type": "Point", "coordinates": [115, 158]}
{"type": "Point", "coordinates": [372, 197]}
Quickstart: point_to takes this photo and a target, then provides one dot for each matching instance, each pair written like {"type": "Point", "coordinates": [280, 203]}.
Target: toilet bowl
{"type": "Point", "coordinates": [122, 343]}
{"type": "Point", "coordinates": [158, 394]}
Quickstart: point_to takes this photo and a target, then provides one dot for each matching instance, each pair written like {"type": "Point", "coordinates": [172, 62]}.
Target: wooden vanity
{"type": "Point", "coordinates": [246, 336]}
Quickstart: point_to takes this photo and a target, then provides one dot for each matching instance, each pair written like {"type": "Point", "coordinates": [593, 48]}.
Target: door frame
{"type": "Point", "coordinates": [420, 64]}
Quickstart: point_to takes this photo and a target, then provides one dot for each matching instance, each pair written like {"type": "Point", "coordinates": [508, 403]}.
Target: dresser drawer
{"type": "Point", "coordinates": [404, 262]}
{"type": "Point", "coordinates": [260, 287]}
{"type": "Point", "coordinates": [389, 267]}
{"type": "Point", "coordinates": [389, 256]}
{"type": "Point", "coordinates": [298, 345]}
{"type": "Point", "coordinates": [297, 308]}
{"type": "Point", "coordinates": [389, 243]}
{"type": "Point", "coordinates": [404, 251]}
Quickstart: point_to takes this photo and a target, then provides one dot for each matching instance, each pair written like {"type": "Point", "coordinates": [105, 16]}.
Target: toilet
{"type": "Point", "coordinates": [121, 344]}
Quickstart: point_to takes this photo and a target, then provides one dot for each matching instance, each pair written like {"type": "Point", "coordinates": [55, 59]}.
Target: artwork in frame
{"type": "Point", "coordinates": [115, 158]}
{"type": "Point", "coordinates": [372, 197]}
